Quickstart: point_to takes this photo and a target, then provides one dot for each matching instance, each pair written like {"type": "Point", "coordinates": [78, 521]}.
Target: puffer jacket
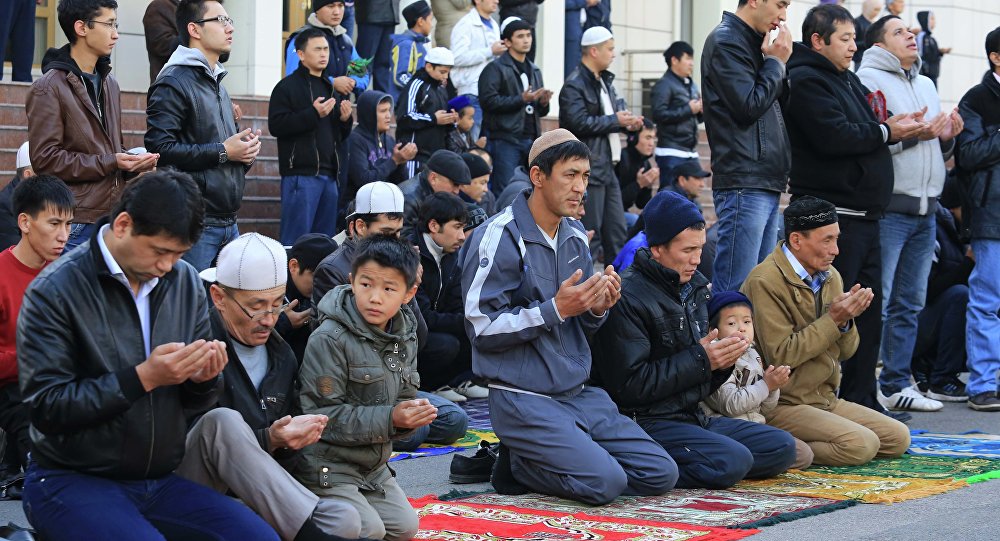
{"type": "Point", "coordinates": [647, 355]}
{"type": "Point", "coordinates": [355, 374]}
{"type": "Point", "coordinates": [979, 153]}
{"type": "Point", "coordinates": [745, 394]}
{"type": "Point", "coordinates": [741, 91]}
{"type": "Point", "coordinates": [676, 125]}
{"type": "Point", "coordinates": [74, 136]}
{"type": "Point", "coordinates": [89, 411]}
{"type": "Point", "coordinates": [500, 97]}
{"type": "Point", "coordinates": [582, 113]}
{"type": "Point", "coordinates": [189, 114]}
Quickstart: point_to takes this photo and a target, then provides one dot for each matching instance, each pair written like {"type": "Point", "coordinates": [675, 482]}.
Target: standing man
{"type": "Point", "coordinates": [74, 115]}
{"type": "Point", "coordinates": [908, 231]}
{"type": "Point", "coordinates": [979, 154]}
{"type": "Point", "coordinates": [212, 150]}
{"type": "Point", "coordinates": [869, 13]}
{"type": "Point", "coordinates": [532, 296]}
{"type": "Point", "coordinates": [119, 353]}
{"type": "Point", "coordinates": [590, 108]}
{"type": "Point", "coordinates": [526, 10]}
{"type": "Point", "coordinates": [311, 123]}
{"type": "Point", "coordinates": [410, 47]}
{"type": "Point", "coordinates": [743, 78]}
{"type": "Point", "coordinates": [447, 13]}
{"type": "Point", "coordinates": [476, 42]}
{"type": "Point", "coordinates": [377, 19]}
{"type": "Point", "coordinates": [160, 29]}
{"type": "Point", "coordinates": [676, 111]}
{"type": "Point", "coordinates": [17, 23]}
{"type": "Point", "coordinates": [423, 115]}
{"type": "Point", "coordinates": [328, 16]}
{"type": "Point", "coordinates": [514, 99]}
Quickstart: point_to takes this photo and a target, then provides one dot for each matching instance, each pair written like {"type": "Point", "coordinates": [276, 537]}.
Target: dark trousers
{"type": "Point", "coordinates": [445, 359]}
{"type": "Point", "coordinates": [940, 347]}
{"type": "Point", "coordinates": [724, 451]}
{"type": "Point", "coordinates": [606, 217]}
{"type": "Point", "coordinates": [14, 422]}
{"type": "Point", "coordinates": [17, 24]}
{"type": "Point", "coordinates": [374, 42]}
{"type": "Point", "coordinates": [67, 505]}
{"type": "Point", "coordinates": [506, 157]}
{"type": "Point", "coordinates": [860, 262]}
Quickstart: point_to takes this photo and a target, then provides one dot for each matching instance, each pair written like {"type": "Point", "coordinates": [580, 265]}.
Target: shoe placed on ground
{"type": "Point", "coordinates": [987, 401]}
{"type": "Point", "coordinates": [900, 416]}
{"type": "Point", "coordinates": [923, 380]}
{"type": "Point", "coordinates": [909, 399]}
{"type": "Point", "coordinates": [471, 390]}
{"type": "Point", "coordinates": [952, 391]}
{"type": "Point", "coordinates": [448, 393]}
{"type": "Point", "coordinates": [473, 469]}
{"type": "Point", "coordinates": [503, 479]}
{"type": "Point", "coordinates": [12, 487]}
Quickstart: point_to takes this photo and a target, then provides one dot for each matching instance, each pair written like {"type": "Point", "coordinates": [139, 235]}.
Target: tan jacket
{"type": "Point", "coordinates": [788, 331]}
{"type": "Point", "coordinates": [67, 138]}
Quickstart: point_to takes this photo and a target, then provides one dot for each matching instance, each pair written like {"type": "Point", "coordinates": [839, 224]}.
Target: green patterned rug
{"type": "Point", "coordinates": [921, 467]}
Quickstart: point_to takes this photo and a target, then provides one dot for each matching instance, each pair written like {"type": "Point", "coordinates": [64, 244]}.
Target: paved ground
{"type": "Point", "coordinates": [967, 514]}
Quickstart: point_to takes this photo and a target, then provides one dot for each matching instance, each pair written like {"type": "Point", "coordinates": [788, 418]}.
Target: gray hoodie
{"type": "Point", "coordinates": [918, 167]}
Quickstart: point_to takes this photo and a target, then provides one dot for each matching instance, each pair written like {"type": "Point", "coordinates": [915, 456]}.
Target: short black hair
{"type": "Point", "coordinates": [823, 20]}
{"type": "Point", "coordinates": [189, 11]}
{"type": "Point", "coordinates": [876, 32]}
{"type": "Point", "coordinates": [164, 202]}
{"type": "Point", "coordinates": [442, 207]}
{"type": "Point", "coordinates": [303, 37]}
{"type": "Point", "coordinates": [633, 136]}
{"type": "Point", "coordinates": [369, 219]}
{"type": "Point", "coordinates": [677, 50]}
{"type": "Point", "coordinates": [568, 150]}
{"type": "Point", "coordinates": [70, 11]}
{"type": "Point", "coordinates": [390, 252]}
{"type": "Point", "coordinates": [992, 46]}
{"type": "Point", "coordinates": [36, 194]}
{"type": "Point", "coordinates": [713, 322]}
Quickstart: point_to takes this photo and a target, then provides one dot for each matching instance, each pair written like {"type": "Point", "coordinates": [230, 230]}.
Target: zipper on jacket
{"type": "Point", "coordinates": [152, 434]}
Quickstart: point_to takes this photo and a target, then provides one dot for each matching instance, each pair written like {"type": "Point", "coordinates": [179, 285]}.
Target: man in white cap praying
{"type": "Point", "coordinates": [423, 115]}
{"type": "Point", "coordinates": [10, 234]}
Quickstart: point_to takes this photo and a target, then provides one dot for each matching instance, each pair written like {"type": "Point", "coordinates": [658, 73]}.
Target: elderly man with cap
{"type": "Point", "coordinates": [514, 99]}
{"type": "Point", "coordinates": [423, 115]}
{"type": "Point", "coordinates": [445, 171]}
{"type": "Point", "coordinates": [590, 108]}
{"type": "Point", "coordinates": [295, 324]}
{"type": "Point", "coordinates": [10, 234]}
{"type": "Point", "coordinates": [658, 360]}
{"type": "Point", "coordinates": [805, 320]}
{"type": "Point", "coordinates": [255, 434]}
{"type": "Point", "coordinates": [532, 300]}
{"type": "Point", "coordinates": [410, 48]}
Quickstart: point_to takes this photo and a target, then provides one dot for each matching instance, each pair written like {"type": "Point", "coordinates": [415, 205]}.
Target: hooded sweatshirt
{"type": "Point", "coordinates": [918, 166]}
{"type": "Point", "coordinates": [371, 152]}
{"type": "Point", "coordinates": [342, 52]}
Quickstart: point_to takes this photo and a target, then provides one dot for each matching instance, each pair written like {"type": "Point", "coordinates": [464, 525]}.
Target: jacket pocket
{"type": "Point", "coordinates": [366, 385]}
{"type": "Point", "coordinates": [671, 329]}
{"type": "Point", "coordinates": [761, 137]}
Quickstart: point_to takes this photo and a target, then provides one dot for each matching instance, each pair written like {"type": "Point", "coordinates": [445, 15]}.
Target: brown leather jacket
{"type": "Point", "coordinates": [68, 138]}
{"type": "Point", "coordinates": [161, 34]}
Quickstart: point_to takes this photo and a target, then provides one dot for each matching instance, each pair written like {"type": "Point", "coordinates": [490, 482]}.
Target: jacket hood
{"type": "Point", "coordinates": [60, 59]}
{"type": "Point", "coordinates": [804, 56]}
{"type": "Point", "coordinates": [922, 18]}
{"type": "Point", "coordinates": [878, 58]}
{"type": "Point", "coordinates": [368, 108]}
{"type": "Point", "coordinates": [339, 306]}
{"type": "Point", "coordinates": [313, 20]}
{"type": "Point", "coordinates": [187, 56]}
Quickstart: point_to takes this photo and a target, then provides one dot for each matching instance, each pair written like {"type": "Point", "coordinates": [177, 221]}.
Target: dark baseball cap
{"type": "Point", "coordinates": [690, 168]}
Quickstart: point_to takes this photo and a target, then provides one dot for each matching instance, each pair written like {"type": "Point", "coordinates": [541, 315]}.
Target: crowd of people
{"type": "Point", "coordinates": [154, 361]}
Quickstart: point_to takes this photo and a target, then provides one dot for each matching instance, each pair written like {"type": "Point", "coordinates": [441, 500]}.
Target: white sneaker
{"type": "Point", "coordinates": [448, 393]}
{"type": "Point", "coordinates": [471, 390]}
{"type": "Point", "coordinates": [909, 399]}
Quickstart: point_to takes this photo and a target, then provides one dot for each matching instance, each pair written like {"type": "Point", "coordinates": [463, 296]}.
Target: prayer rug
{"type": "Point", "coordinates": [854, 487]}
{"type": "Point", "coordinates": [717, 508]}
{"type": "Point", "coordinates": [469, 441]}
{"type": "Point", "coordinates": [972, 444]}
{"type": "Point", "coordinates": [919, 466]}
{"type": "Point", "coordinates": [460, 521]}
{"type": "Point", "coordinates": [479, 413]}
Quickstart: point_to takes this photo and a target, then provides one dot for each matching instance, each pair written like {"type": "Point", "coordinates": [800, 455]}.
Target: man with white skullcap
{"type": "Point", "coordinates": [9, 232]}
{"type": "Point", "coordinates": [423, 115]}
{"type": "Point", "coordinates": [246, 444]}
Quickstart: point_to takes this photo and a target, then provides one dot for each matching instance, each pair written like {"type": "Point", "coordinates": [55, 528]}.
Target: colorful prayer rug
{"type": "Point", "coordinates": [469, 441]}
{"type": "Point", "coordinates": [854, 487]}
{"type": "Point", "coordinates": [460, 521]}
{"type": "Point", "coordinates": [918, 466]}
{"type": "Point", "coordinates": [973, 444]}
{"type": "Point", "coordinates": [479, 413]}
{"type": "Point", "coordinates": [717, 508]}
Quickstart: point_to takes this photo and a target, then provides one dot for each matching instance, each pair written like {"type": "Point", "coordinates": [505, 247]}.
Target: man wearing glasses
{"type": "Point", "coordinates": [74, 115]}
{"type": "Point", "coordinates": [191, 124]}
{"type": "Point", "coordinates": [246, 444]}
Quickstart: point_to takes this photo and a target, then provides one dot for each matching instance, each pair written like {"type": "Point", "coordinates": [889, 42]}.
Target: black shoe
{"type": "Point", "coordinates": [12, 488]}
{"type": "Point", "coordinates": [900, 416]}
{"type": "Point", "coordinates": [502, 478]}
{"type": "Point", "coordinates": [473, 469]}
{"type": "Point", "coordinates": [952, 391]}
{"type": "Point", "coordinates": [987, 401]}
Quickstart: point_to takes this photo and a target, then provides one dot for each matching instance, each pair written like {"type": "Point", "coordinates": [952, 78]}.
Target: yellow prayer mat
{"type": "Point", "coordinates": [849, 487]}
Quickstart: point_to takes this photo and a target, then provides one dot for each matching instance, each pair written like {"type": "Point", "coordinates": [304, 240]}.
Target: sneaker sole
{"type": "Point", "coordinates": [907, 404]}
{"type": "Point", "coordinates": [945, 397]}
{"type": "Point", "coordinates": [987, 407]}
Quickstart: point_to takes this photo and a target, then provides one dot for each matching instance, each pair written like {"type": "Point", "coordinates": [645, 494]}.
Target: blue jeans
{"type": "Point", "coordinates": [374, 42]}
{"type": "Point", "coordinates": [78, 234]}
{"type": "Point", "coordinates": [202, 255]}
{"type": "Point", "coordinates": [748, 232]}
{"type": "Point", "coordinates": [907, 251]}
{"type": "Point", "coordinates": [983, 321]}
{"type": "Point", "coordinates": [17, 22]}
{"type": "Point", "coordinates": [506, 157]}
{"type": "Point", "coordinates": [348, 21]}
{"type": "Point", "coordinates": [308, 205]}
{"type": "Point", "coordinates": [477, 116]}
{"type": "Point", "coordinates": [450, 425]}
{"type": "Point", "coordinates": [67, 505]}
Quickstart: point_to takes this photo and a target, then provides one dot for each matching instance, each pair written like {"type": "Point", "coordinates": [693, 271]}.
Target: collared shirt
{"type": "Point", "coordinates": [814, 282]}
{"type": "Point", "coordinates": [145, 288]}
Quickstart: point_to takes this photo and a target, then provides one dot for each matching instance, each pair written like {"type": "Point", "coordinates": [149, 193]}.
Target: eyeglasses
{"type": "Point", "coordinates": [112, 25]}
{"type": "Point", "coordinates": [224, 20]}
{"type": "Point", "coordinates": [257, 316]}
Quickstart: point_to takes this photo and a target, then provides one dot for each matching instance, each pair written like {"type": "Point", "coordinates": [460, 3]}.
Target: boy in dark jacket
{"type": "Point", "coordinates": [373, 154]}
{"type": "Point", "coordinates": [423, 116]}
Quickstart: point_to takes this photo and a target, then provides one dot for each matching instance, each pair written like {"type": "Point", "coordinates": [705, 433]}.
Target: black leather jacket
{"type": "Point", "coordinates": [741, 89]}
{"type": "Point", "coordinates": [676, 125]}
{"type": "Point", "coordinates": [581, 112]}
{"type": "Point", "coordinates": [979, 156]}
{"type": "Point", "coordinates": [647, 355]}
{"type": "Point", "coordinates": [189, 115]}
{"type": "Point", "coordinates": [89, 411]}
{"type": "Point", "coordinates": [500, 97]}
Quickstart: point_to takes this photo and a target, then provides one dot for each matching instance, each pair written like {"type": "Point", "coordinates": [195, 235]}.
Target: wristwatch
{"type": "Point", "coordinates": [223, 156]}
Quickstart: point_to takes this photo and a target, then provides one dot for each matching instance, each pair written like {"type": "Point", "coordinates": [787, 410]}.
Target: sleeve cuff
{"type": "Point", "coordinates": [784, 69]}
{"type": "Point", "coordinates": [885, 132]}
{"type": "Point", "coordinates": [555, 312]}
{"type": "Point", "coordinates": [129, 383]}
